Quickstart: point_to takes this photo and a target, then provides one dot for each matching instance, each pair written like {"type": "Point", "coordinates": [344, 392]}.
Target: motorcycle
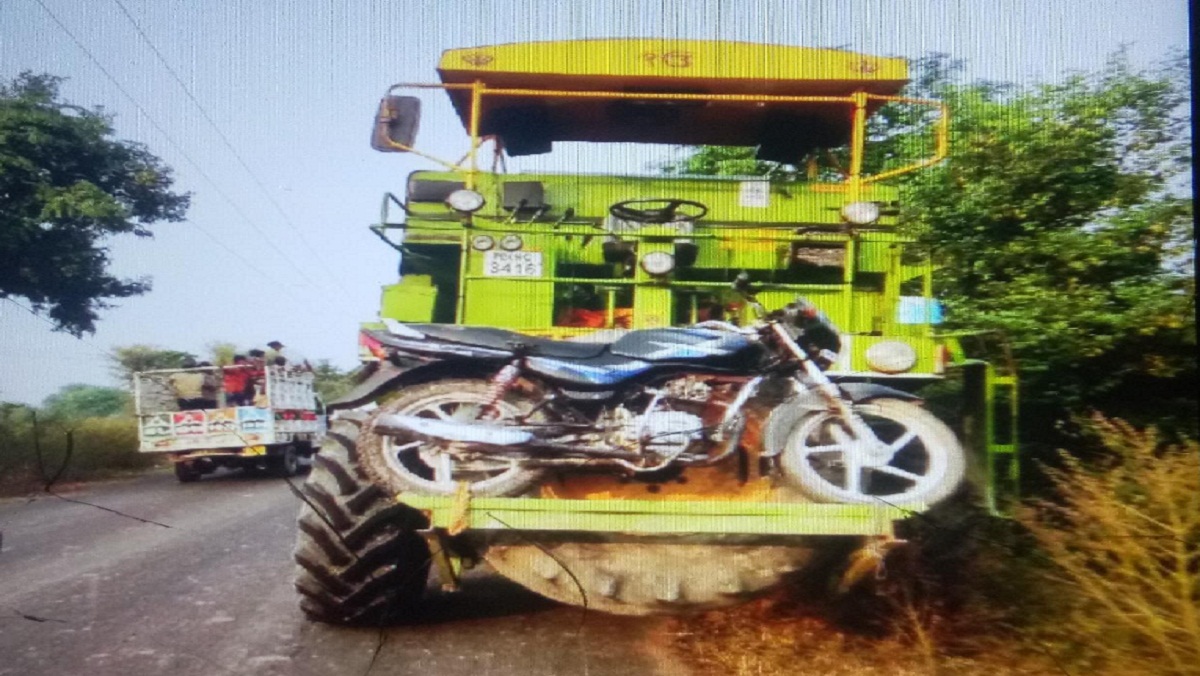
{"type": "Point", "coordinates": [497, 409]}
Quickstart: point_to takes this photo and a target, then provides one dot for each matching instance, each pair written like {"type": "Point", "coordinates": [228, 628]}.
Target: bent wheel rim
{"type": "Point", "coordinates": [435, 466]}
{"type": "Point", "coordinates": [908, 466]}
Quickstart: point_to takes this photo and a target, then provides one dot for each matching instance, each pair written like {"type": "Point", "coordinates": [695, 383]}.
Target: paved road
{"type": "Point", "coordinates": [85, 591]}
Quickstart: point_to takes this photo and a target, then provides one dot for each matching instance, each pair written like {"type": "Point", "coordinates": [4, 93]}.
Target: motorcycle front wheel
{"type": "Point", "coordinates": [913, 457]}
{"type": "Point", "coordinates": [406, 464]}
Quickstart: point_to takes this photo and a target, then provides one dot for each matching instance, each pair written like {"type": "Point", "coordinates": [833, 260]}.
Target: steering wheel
{"type": "Point", "coordinates": [658, 211]}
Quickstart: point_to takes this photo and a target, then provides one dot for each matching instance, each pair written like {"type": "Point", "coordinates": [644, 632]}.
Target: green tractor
{"type": "Point", "coordinates": [542, 265]}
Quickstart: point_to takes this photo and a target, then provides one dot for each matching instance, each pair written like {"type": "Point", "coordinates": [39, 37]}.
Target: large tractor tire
{"type": "Point", "coordinates": [632, 576]}
{"type": "Point", "coordinates": [646, 578]}
{"type": "Point", "coordinates": [356, 565]}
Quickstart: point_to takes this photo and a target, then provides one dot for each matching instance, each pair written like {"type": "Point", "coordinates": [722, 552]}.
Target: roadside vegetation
{"type": "Point", "coordinates": [83, 432]}
{"type": "Point", "coordinates": [1062, 221]}
{"type": "Point", "coordinates": [1100, 577]}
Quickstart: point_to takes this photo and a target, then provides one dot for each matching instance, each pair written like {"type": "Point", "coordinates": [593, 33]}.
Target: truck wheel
{"type": "Point", "coordinates": [404, 465]}
{"type": "Point", "coordinates": [631, 578]}
{"type": "Point", "coordinates": [354, 566]}
{"type": "Point", "coordinates": [919, 459]}
{"type": "Point", "coordinates": [186, 472]}
{"type": "Point", "coordinates": [286, 464]}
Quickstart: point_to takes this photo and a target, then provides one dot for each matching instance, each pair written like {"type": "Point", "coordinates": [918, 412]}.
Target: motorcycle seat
{"type": "Point", "coordinates": [503, 339]}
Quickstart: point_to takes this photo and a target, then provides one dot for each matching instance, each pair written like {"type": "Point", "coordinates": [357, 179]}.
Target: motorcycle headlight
{"type": "Point", "coordinates": [465, 201]}
{"type": "Point", "coordinates": [658, 263]}
{"type": "Point", "coordinates": [891, 356]}
{"type": "Point", "coordinates": [861, 213]}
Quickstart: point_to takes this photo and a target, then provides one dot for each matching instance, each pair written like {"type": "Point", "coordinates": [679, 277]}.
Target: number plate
{"type": "Point", "coordinates": [512, 264]}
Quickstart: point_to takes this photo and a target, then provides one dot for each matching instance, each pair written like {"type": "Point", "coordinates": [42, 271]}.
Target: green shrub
{"type": "Point", "coordinates": [70, 450]}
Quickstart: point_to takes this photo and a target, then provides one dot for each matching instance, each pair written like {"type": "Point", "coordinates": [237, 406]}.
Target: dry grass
{"type": "Point", "coordinates": [79, 450]}
{"type": "Point", "coordinates": [762, 639]}
{"type": "Point", "coordinates": [1103, 580]}
{"type": "Point", "coordinates": [1124, 539]}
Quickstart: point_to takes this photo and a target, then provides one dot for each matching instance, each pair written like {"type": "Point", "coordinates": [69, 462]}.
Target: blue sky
{"type": "Point", "coordinates": [292, 86]}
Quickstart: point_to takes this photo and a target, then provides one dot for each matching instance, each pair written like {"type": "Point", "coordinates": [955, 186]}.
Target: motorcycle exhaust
{"type": "Point", "coordinates": [461, 432]}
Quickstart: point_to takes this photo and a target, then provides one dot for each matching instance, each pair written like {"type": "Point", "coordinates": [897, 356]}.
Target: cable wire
{"type": "Point", "coordinates": [199, 170]}
{"type": "Point", "coordinates": [228, 144]}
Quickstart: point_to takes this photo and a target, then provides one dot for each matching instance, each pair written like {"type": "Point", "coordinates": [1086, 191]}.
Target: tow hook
{"type": "Point", "coordinates": [869, 562]}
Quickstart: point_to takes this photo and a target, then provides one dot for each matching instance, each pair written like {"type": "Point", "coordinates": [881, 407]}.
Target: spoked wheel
{"type": "Point", "coordinates": [912, 457]}
{"type": "Point", "coordinates": [403, 463]}
{"type": "Point", "coordinates": [632, 578]}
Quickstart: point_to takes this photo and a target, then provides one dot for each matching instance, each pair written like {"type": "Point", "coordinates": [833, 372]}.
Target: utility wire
{"type": "Point", "coordinates": [199, 170]}
{"type": "Point", "coordinates": [228, 144]}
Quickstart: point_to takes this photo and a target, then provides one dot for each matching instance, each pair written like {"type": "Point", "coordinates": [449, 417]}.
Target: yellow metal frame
{"type": "Point", "coordinates": [859, 100]}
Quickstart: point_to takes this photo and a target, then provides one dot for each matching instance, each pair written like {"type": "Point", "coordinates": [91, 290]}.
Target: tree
{"type": "Point", "coordinates": [66, 185]}
{"type": "Point", "coordinates": [130, 359]}
{"type": "Point", "coordinates": [1057, 221]}
{"type": "Point", "coordinates": [329, 381]}
{"type": "Point", "coordinates": [222, 353]}
{"type": "Point", "coordinates": [76, 402]}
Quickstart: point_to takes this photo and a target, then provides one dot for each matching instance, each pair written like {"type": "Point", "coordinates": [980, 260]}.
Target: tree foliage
{"type": "Point", "coordinates": [127, 360]}
{"type": "Point", "coordinates": [331, 382]}
{"type": "Point", "coordinates": [66, 186]}
{"type": "Point", "coordinates": [1057, 221]}
{"type": "Point", "coordinates": [76, 402]}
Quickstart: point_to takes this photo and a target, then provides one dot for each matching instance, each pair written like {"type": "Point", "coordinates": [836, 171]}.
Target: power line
{"type": "Point", "coordinates": [199, 170]}
{"type": "Point", "coordinates": [228, 144]}
{"type": "Point", "coordinates": [50, 322]}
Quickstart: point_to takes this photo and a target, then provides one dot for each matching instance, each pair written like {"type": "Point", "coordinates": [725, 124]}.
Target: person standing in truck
{"type": "Point", "coordinates": [209, 385]}
{"type": "Point", "coordinates": [239, 390]}
{"type": "Point", "coordinates": [258, 375]}
{"type": "Point", "coordinates": [291, 357]}
{"type": "Point", "coordinates": [188, 386]}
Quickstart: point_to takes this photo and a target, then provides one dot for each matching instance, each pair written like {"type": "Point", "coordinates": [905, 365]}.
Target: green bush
{"type": "Point", "coordinates": [70, 450]}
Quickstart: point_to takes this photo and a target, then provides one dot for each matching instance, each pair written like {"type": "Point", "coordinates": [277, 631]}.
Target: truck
{"type": "Point", "coordinates": [586, 255]}
{"type": "Point", "coordinates": [277, 430]}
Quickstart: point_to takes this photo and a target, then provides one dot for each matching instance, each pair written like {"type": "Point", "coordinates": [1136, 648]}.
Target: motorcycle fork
{"type": "Point", "coordinates": [825, 387]}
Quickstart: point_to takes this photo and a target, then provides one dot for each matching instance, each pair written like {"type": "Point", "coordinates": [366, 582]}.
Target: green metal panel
{"type": "Point", "coordinates": [411, 300]}
{"type": "Point", "coordinates": [651, 517]}
{"type": "Point", "coordinates": [591, 196]}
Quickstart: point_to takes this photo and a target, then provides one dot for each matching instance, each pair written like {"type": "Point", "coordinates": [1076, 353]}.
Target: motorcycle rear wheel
{"type": "Point", "coordinates": [403, 464]}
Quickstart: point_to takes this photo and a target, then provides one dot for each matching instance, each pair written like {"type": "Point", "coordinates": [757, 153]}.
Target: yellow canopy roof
{"type": "Point", "coordinates": [530, 122]}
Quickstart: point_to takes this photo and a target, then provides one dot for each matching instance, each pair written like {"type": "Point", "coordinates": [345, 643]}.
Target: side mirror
{"type": "Point", "coordinates": [396, 124]}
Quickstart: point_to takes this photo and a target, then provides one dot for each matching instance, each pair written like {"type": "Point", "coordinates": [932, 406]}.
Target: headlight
{"type": "Point", "coordinates": [861, 213]}
{"type": "Point", "coordinates": [891, 356]}
{"type": "Point", "coordinates": [482, 242]}
{"type": "Point", "coordinates": [658, 263]}
{"type": "Point", "coordinates": [511, 242]}
{"type": "Point", "coordinates": [466, 201]}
